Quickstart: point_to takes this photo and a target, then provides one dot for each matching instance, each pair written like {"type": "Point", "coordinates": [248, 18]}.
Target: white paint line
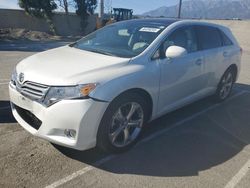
{"type": "Point", "coordinates": [158, 133]}
{"type": "Point", "coordinates": [72, 176]}
{"type": "Point", "coordinates": [4, 83]}
{"type": "Point", "coordinates": [238, 177]}
{"type": "Point", "coordinates": [80, 172]}
{"type": "Point", "coordinates": [227, 131]}
{"type": "Point", "coordinates": [179, 123]}
{"type": "Point", "coordinates": [240, 89]}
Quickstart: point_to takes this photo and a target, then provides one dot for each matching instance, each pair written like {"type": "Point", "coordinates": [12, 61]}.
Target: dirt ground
{"type": "Point", "coordinates": [17, 35]}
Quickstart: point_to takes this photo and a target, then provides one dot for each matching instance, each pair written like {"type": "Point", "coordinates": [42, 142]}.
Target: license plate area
{"type": "Point", "coordinates": [23, 102]}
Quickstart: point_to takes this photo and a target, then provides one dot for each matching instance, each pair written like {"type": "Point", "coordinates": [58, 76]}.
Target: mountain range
{"type": "Point", "coordinates": [210, 9]}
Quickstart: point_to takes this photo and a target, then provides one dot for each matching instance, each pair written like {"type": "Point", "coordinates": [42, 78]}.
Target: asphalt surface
{"type": "Point", "coordinates": [201, 145]}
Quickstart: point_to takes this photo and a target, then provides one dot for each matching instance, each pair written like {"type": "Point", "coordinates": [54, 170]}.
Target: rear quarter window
{"type": "Point", "coordinates": [208, 37]}
{"type": "Point", "coordinates": [225, 39]}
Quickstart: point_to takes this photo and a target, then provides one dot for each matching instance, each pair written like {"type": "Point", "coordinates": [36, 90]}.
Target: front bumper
{"type": "Point", "coordinates": [49, 123]}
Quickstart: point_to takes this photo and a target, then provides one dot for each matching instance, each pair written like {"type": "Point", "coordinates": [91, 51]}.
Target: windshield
{"type": "Point", "coordinates": [123, 39]}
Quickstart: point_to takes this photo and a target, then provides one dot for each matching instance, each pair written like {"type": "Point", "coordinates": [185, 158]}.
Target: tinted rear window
{"type": "Point", "coordinates": [209, 37]}
{"type": "Point", "coordinates": [225, 39]}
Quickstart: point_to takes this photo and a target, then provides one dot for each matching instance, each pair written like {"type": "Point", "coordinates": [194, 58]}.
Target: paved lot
{"type": "Point", "coordinates": [202, 145]}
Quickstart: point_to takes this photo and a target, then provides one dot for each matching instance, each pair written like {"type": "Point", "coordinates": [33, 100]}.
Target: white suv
{"type": "Point", "coordinates": [102, 89]}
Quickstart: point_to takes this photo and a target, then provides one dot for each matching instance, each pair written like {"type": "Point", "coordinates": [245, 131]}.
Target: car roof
{"type": "Point", "coordinates": [162, 21]}
{"type": "Point", "coordinates": [168, 21]}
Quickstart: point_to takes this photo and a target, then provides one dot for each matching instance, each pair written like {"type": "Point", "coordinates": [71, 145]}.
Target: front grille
{"type": "Point", "coordinates": [32, 90]}
{"type": "Point", "coordinates": [28, 117]}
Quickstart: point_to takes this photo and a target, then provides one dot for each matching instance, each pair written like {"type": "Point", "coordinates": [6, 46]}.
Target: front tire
{"type": "Point", "coordinates": [122, 123]}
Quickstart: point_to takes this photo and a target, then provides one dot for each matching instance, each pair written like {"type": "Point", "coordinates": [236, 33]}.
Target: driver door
{"type": "Point", "coordinates": [181, 77]}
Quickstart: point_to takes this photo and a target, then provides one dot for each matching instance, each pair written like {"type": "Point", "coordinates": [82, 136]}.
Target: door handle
{"type": "Point", "coordinates": [168, 61]}
{"type": "Point", "coordinates": [198, 62]}
{"type": "Point", "coordinates": [225, 54]}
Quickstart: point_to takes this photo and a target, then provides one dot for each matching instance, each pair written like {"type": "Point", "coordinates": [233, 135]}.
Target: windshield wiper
{"type": "Point", "coordinates": [72, 44]}
{"type": "Point", "coordinates": [100, 52]}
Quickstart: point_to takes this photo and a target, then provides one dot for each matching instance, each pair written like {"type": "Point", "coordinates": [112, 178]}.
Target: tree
{"type": "Point", "coordinates": [65, 4]}
{"type": "Point", "coordinates": [83, 9]}
{"type": "Point", "coordinates": [108, 6]}
{"type": "Point", "coordinates": [40, 9]}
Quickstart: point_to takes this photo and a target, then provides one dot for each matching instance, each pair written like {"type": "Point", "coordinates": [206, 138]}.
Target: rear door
{"type": "Point", "coordinates": [231, 51]}
{"type": "Point", "coordinates": [210, 44]}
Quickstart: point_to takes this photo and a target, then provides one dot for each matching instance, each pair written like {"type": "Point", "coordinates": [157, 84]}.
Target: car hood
{"type": "Point", "coordinates": [66, 66]}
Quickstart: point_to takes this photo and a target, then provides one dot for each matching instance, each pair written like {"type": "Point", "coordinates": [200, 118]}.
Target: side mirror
{"type": "Point", "coordinates": [175, 51]}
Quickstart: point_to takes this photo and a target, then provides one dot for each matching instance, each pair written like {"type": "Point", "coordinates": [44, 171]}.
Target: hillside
{"type": "Point", "coordinates": [212, 9]}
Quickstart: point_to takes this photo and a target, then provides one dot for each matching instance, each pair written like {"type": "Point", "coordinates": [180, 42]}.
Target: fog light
{"type": "Point", "coordinates": [70, 133]}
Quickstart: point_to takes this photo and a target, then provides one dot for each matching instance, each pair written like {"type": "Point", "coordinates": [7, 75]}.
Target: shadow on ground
{"type": "Point", "coordinates": [198, 144]}
{"type": "Point", "coordinates": [5, 112]}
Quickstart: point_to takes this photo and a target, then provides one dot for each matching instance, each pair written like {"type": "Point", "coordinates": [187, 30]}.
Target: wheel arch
{"type": "Point", "coordinates": [235, 70]}
{"type": "Point", "coordinates": [143, 93]}
{"type": "Point", "coordinates": [103, 141]}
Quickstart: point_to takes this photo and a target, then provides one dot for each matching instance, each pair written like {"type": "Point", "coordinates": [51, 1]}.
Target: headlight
{"type": "Point", "coordinates": [13, 77]}
{"type": "Point", "coordinates": [56, 94]}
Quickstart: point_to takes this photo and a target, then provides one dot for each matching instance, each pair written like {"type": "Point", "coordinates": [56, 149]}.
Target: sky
{"type": "Point", "coordinates": [139, 6]}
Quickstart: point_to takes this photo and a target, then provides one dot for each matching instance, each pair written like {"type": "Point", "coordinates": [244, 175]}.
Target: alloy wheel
{"type": "Point", "coordinates": [226, 85]}
{"type": "Point", "coordinates": [126, 124]}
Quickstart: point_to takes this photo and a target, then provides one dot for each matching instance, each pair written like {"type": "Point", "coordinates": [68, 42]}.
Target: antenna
{"type": "Point", "coordinates": [179, 11]}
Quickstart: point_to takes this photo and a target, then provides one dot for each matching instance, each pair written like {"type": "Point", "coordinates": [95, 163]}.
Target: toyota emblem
{"type": "Point", "coordinates": [21, 78]}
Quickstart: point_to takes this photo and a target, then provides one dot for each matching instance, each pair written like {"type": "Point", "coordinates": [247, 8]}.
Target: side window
{"type": "Point", "coordinates": [184, 37]}
{"type": "Point", "coordinates": [209, 37]}
{"type": "Point", "coordinates": [226, 41]}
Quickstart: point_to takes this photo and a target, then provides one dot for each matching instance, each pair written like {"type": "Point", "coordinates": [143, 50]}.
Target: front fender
{"type": "Point", "coordinates": [132, 77]}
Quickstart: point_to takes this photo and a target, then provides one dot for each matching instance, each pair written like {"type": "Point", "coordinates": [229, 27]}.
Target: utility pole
{"type": "Point", "coordinates": [179, 11]}
{"type": "Point", "coordinates": [101, 13]}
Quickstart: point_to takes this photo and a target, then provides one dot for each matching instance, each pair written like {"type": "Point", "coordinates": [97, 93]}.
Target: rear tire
{"type": "Point", "coordinates": [225, 86]}
{"type": "Point", "coordinates": [122, 123]}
